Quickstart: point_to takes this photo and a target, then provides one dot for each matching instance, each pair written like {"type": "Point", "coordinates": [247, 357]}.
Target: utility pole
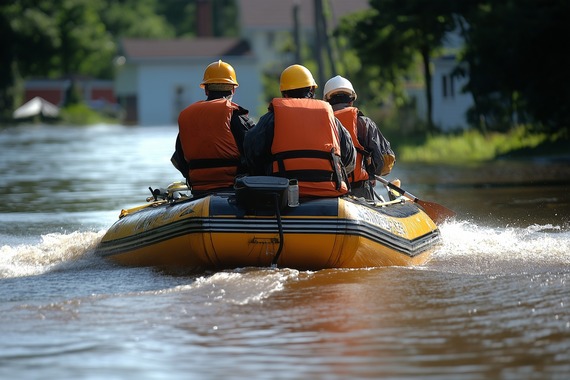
{"type": "Point", "coordinates": [318, 8]}
{"type": "Point", "coordinates": [297, 32]}
{"type": "Point", "coordinates": [328, 47]}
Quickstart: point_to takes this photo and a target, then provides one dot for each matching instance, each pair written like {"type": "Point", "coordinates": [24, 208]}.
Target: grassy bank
{"type": "Point", "coordinates": [81, 114]}
{"type": "Point", "coordinates": [77, 114]}
{"type": "Point", "coordinates": [474, 146]}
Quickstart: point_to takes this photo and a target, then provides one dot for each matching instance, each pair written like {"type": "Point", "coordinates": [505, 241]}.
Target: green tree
{"type": "Point", "coordinates": [142, 18]}
{"type": "Point", "coordinates": [56, 38]}
{"type": "Point", "coordinates": [374, 76]}
{"type": "Point", "coordinates": [29, 39]}
{"type": "Point", "coordinates": [517, 67]}
{"type": "Point", "coordinates": [393, 32]}
{"type": "Point", "coordinates": [85, 46]}
{"type": "Point", "coordinates": [182, 16]}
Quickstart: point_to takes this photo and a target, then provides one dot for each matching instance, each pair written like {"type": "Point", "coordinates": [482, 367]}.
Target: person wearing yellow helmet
{"type": "Point", "coordinates": [374, 154]}
{"type": "Point", "coordinates": [219, 76]}
{"type": "Point", "coordinates": [300, 138]}
{"type": "Point", "coordinates": [209, 145]}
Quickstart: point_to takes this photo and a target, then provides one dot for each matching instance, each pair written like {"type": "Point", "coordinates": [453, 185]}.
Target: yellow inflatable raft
{"type": "Point", "coordinates": [261, 224]}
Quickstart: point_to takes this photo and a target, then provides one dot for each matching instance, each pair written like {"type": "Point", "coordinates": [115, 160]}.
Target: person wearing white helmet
{"type": "Point", "coordinates": [209, 144]}
{"type": "Point", "coordinates": [374, 154]}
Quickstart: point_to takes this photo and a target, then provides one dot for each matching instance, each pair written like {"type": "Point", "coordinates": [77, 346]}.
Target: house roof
{"type": "Point", "coordinates": [264, 14]}
{"type": "Point", "coordinates": [136, 48]}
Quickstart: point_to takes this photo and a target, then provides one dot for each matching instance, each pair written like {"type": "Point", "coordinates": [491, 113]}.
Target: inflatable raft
{"type": "Point", "coordinates": [263, 224]}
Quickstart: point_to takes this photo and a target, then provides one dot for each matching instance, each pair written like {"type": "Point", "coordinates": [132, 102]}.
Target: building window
{"type": "Point", "coordinates": [270, 36]}
{"type": "Point", "coordinates": [448, 86]}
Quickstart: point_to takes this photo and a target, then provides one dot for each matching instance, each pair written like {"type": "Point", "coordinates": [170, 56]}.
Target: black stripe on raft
{"type": "Point", "coordinates": [253, 226]}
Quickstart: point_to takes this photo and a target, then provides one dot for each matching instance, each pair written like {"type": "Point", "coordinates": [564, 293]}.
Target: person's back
{"type": "Point", "coordinates": [374, 154]}
{"type": "Point", "coordinates": [209, 144]}
{"type": "Point", "coordinates": [300, 138]}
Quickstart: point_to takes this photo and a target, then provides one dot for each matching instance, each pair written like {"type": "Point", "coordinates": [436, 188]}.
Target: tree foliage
{"type": "Point", "coordinates": [513, 59]}
{"type": "Point", "coordinates": [372, 75]}
{"type": "Point", "coordinates": [140, 18]}
{"type": "Point", "coordinates": [518, 69]}
{"type": "Point", "coordinates": [46, 38]}
{"type": "Point", "coordinates": [394, 32]}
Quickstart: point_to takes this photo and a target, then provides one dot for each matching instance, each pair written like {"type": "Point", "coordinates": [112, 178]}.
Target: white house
{"type": "Point", "coordinates": [156, 79]}
{"type": "Point", "coordinates": [449, 103]}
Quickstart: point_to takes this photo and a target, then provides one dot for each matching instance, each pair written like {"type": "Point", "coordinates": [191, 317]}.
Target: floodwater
{"type": "Point", "coordinates": [493, 303]}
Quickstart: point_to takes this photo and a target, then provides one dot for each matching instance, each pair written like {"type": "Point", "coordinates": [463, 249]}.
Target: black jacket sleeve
{"type": "Point", "coordinates": [178, 159]}
{"type": "Point", "coordinates": [257, 145]}
{"type": "Point", "coordinates": [370, 137]}
{"type": "Point", "coordinates": [240, 123]}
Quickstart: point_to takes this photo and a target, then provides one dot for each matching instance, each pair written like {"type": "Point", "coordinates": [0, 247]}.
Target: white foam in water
{"type": "Point", "coordinates": [467, 248]}
{"type": "Point", "coordinates": [254, 286]}
{"type": "Point", "coordinates": [471, 248]}
{"type": "Point", "coordinates": [54, 250]}
{"type": "Point", "coordinates": [241, 286]}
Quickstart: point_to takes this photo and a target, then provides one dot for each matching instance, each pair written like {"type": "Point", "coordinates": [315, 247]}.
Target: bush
{"type": "Point", "coordinates": [81, 114]}
{"type": "Point", "coordinates": [469, 146]}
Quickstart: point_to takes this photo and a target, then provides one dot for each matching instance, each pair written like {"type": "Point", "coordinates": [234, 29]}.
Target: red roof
{"type": "Point", "coordinates": [136, 48]}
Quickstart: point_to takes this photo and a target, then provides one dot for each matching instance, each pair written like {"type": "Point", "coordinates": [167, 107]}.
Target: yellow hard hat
{"type": "Point", "coordinates": [219, 72]}
{"type": "Point", "coordinates": [296, 76]}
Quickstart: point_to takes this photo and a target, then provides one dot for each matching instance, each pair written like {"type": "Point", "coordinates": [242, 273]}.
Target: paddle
{"type": "Point", "coordinates": [435, 211]}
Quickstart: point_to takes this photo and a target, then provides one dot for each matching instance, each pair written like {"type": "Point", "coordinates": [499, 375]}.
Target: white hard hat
{"type": "Point", "coordinates": [336, 85]}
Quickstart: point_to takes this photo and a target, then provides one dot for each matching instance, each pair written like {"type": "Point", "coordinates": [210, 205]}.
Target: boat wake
{"type": "Point", "coordinates": [241, 286]}
{"type": "Point", "coordinates": [467, 248]}
{"type": "Point", "coordinates": [55, 252]}
{"type": "Point", "coordinates": [474, 249]}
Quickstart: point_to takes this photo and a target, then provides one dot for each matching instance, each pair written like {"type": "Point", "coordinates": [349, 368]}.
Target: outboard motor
{"type": "Point", "coordinates": [262, 192]}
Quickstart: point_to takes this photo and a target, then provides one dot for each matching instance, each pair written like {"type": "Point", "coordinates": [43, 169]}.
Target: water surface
{"type": "Point", "coordinates": [492, 303]}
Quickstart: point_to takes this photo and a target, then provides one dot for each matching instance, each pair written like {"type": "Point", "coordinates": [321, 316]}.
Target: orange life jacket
{"type": "Point", "coordinates": [349, 118]}
{"type": "Point", "coordinates": [208, 143]}
{"type": "Point", "coordinates": [306, 146]}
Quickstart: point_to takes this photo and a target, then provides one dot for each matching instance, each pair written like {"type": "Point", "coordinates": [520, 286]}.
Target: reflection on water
{"type": "Point", "coordinates": [492, 303]}
{"type": "Point", "coordinates": [66, 169]}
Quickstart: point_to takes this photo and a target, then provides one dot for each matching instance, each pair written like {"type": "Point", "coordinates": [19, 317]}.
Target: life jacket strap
{"type": "Point", "coordinates": [293, 154]}
{"type": "Point", "coordinates": [309, 175]}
